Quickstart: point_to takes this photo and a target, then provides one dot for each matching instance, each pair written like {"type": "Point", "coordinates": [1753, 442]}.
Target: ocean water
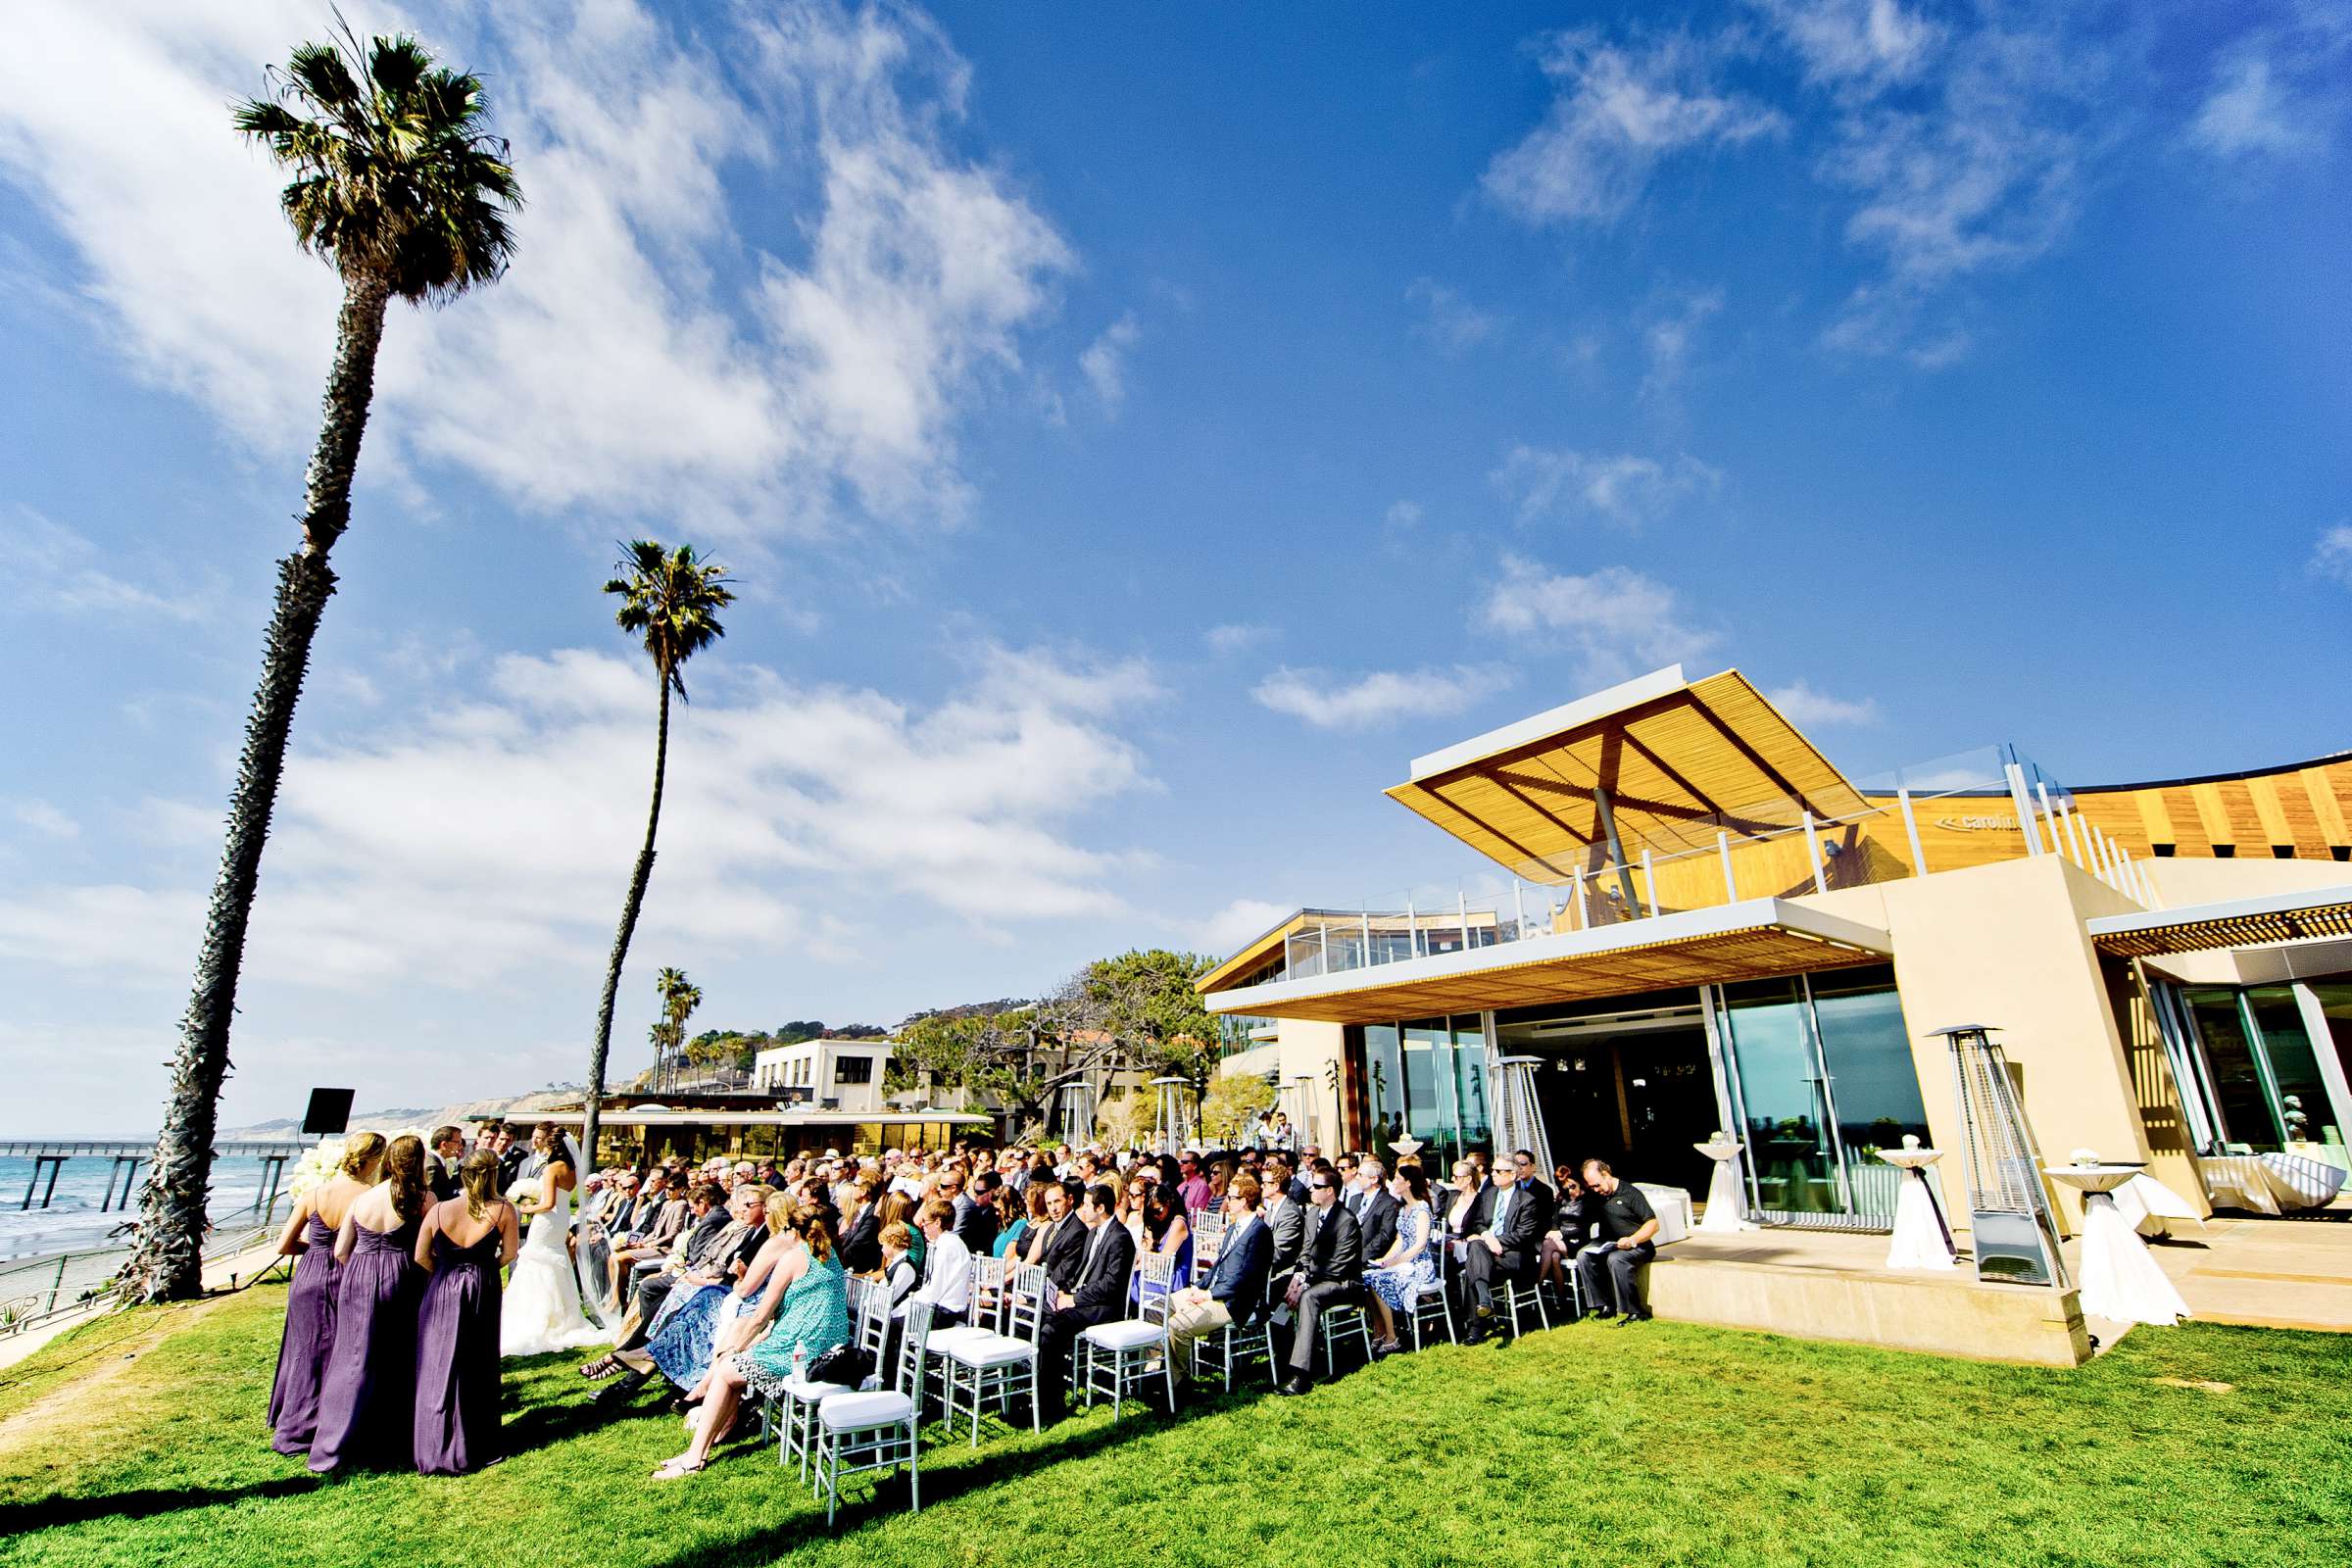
{"type": "Point", "coordinates": [73, 1220]}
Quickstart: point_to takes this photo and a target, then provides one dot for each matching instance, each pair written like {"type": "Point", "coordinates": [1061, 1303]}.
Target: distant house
{"type": "Point", "coordinates": [829, 1074]}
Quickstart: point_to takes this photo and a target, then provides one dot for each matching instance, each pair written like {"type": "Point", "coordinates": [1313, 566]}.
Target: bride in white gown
{"type": "Point", "coordinates": [541, 1310]}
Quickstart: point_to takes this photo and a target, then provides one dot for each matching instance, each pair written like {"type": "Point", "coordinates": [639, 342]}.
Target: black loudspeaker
{"type": "Point", "coordinates": [329, 1112]}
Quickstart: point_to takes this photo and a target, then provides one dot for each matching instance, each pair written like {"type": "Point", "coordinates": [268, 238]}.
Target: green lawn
{"type": "Point", "coordinates": [140, 1439]}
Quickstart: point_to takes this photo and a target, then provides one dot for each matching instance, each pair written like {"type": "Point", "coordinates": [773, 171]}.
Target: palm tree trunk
{"type": "Point", "coordinates": [166, 1264]}
{"type": "Point", "coordinates": [628, 928]}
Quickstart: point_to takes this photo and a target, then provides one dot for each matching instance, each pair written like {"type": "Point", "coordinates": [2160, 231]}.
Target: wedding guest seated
{"type": "Point", "coordinates": [1236, 1292]}
{"type": "Point", "coordinates": [862, 1226]}
{"type": "Point", "coordinates": [700, 1261]}
{"type": "Point", "coordinates": [899, 1274]}
{"type": "Point", "coordinates": [1610, 1266]}
{"type": "Point", "coordinates": [1286, 1227]}
{"type": "Point", "coordinates": [662, 1213]}
{"type": "Point", "coordinates": [1096, 1293]}
{"type": "Point", "coordinates": [1015, 1206]}
{"type": "Point", "coordinates": [1408, 1265]}
{"type": "Point", "coordinates": [807, 1316]}
{"type": "Point", "coordinates": [1374, 1206]}
{"type": "Point", "coordinates": [1503, 1248]}
{"type": "Point", "coordinates": [1059, 1243]}
{"type": "Point", "coordinates": [1160, 1225]}
{"type": "Point", "coordinates": [1329, 1272]}
{"type": "Point", "coordinates": [1571, 1227]}
{"type": "Point", "coordinates": [976, 1218]}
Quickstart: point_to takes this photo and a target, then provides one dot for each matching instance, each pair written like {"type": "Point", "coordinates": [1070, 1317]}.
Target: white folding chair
{"type": "Point", "coordinates": [878, 1431]}
{"type": "Point", "coordinates": [987, 1311]}
{"type": "Point", "coordinates": [1002, 1367]}
{"type": "Point", "coordinates": [1432, 1300]}
{"type": "Point", "coordinates": [1235, 1345]}
{"type": "Point", "coordinates": [796, 1408]}
{"type": "Point", "coordinates": [1116, 1357]}
{"type": "Point", "coordinates": [1338, 1324]}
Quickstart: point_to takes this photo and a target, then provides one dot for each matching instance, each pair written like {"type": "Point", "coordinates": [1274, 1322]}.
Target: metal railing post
{"type": "Point", "coordinates": [1813, 854]}
{"type": "Point", "coordinates": [1919, 856]}
{"type": "Point", "coordinates": [1722, 853]}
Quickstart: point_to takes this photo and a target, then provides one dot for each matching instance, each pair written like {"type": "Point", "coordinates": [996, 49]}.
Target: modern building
{"type": "Point", "coordinates": [844, 1076]}
{"type": "Point", "coordinates": [1691, 920]}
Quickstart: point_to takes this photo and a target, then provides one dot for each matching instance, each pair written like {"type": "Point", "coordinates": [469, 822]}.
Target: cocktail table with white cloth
{"type": "Point", "coordinates": [2270, 1184]}
{"type": "Point", "coordinates": [1923, 1237]}
{"type": "Point", "coordinates": [1725, 1210]}
{"type": "Point", "coordinates": [2119, 1280]}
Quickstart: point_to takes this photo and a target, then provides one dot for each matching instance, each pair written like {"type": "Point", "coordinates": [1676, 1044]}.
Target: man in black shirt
{"type": "Point", "coordinates": [1627, 1225]}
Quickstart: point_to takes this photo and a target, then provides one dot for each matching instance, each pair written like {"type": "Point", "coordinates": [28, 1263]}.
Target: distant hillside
{"type": "Point", "coordinates": [424, 1117]}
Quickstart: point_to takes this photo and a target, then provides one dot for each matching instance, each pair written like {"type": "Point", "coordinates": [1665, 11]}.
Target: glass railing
{"type": "Point", "coordinates": [1971, 809]}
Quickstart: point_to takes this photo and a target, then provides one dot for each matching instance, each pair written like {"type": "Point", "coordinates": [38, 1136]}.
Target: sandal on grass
{"type": "Point", "coordinates": [675, 1470]}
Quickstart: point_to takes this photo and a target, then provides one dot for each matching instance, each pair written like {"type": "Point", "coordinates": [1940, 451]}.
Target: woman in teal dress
{"type": "Point", "coordinates": [807, 1296]}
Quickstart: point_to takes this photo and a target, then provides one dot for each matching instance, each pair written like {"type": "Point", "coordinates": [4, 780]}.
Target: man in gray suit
{"type": "Point", "coordinates": [1286, 1224]}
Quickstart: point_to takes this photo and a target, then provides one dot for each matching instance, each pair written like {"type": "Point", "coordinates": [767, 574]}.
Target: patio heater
{"type": "Point", "coordinates": [1303, 1090]}
{"type": "Point", "coordinates": [2014, 1236]}
{"type": "Point", "coordinates": [1519, 1120]}
{"type": "Point", "coordinates": [1172, 1124]}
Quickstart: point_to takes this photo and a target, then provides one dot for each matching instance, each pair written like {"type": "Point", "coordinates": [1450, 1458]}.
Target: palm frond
{"type": "Point", "coordinates": [396, 173]}
{"type": "Point", "coordinates": [671, 600]}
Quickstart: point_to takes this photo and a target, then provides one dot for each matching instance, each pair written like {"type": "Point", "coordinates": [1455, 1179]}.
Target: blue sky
{"type": "Point", "coordinates": [1138, 433]}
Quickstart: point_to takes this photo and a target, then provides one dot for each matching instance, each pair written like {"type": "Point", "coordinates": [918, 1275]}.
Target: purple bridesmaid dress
{"type": "Point", "coordinates": [457, 1359]}
{"type": "Point", "coordinates": [310, 1332]}
{"type": "Point", "coordinates": [364, 1399]}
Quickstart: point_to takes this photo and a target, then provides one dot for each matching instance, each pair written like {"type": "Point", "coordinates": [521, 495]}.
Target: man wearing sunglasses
{"type": "Point", "coordinates": [1329, 1272]}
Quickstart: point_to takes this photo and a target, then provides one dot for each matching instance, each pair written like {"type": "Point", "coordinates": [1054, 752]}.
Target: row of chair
{"type": "Point", "coordinates": [830, 1431]}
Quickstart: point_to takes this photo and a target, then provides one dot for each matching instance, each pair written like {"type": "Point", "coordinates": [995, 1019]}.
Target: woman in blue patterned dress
{"type": "Point", "coordinates": [686, 1331]}
{"type": "Point", "coordinates": [806, 1309]}
{"type": "Point", "coordinates": [1397, 1277]}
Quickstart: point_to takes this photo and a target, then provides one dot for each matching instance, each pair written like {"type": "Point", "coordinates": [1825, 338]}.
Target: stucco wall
{"type": "Point", "coordinates": [1301, 1046]}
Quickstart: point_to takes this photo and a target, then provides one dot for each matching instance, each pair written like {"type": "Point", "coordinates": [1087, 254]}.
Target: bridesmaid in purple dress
{"type": "Point", "coordinates": [310, 1240]}
{"type": "Point", "coordinates": [463, 1241]}
{"type": "Point", "coordinates": [370, 1387]}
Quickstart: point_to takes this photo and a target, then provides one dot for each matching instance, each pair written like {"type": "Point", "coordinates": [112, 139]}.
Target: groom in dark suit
{"type": "Point", "coordinates": [1097, 1295]}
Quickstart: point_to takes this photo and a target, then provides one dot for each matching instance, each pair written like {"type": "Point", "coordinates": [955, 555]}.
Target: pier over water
{"type": "Point", "coordinates": [49, 1156]}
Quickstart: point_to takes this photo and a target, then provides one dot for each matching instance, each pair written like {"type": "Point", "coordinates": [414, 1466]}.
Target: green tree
{"type": "Point", "coordinates": [398, 186]}
{"type": "Point", "coordinates": [671, 600]}
{"type": "Point", "coordinates": [1233, 1099]}
{"type": "Point", "coordinates": [1146, 1001]}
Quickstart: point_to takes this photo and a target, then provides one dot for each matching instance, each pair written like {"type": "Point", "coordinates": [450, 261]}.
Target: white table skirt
{"type": "Point", "coordinates": [2119, 1279]}
{"type": "Point", "coordinates": [1920, 1240]}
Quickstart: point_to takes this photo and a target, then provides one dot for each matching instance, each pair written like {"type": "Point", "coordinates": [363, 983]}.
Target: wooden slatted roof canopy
{"type": "Point", "coordinates": [1678, 760]}
{"type": "Point", "coordinates": [1764, 938]}
{"type": "Point", "coordinates": [2246, 923]}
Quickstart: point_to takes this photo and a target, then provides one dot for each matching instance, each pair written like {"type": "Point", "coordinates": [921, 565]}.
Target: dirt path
{"type": "Point", "coordinates": [102, 1357]}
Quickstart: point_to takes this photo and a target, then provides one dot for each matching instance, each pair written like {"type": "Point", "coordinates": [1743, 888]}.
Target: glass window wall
{"type": "Point", "coordinates": [2245, 1103]}
{"type": "Point", "coordinates": [2294, 1066]}
{"type": "Point", "coordinates": [1823, 1078]}
{"type": "Point", "coordinates": [1428, 1078]}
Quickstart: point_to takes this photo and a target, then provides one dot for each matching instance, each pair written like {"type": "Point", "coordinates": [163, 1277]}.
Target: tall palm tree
{"type": "Point", "coordinates": [398, 186]}
{"type": "Point", "coordinates": [672, 599]}
{"type": "Point", "coordinates": [669, 1033]}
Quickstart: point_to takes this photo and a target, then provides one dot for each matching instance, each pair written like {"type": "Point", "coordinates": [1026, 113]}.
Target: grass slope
{"type": "Point", "coordinates": [140, 1439]}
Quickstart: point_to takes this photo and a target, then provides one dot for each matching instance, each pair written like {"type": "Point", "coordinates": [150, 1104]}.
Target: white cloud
{"type": "Point", "coordinates": [1383, 697]}
{"type": "Point", "coordinates": [1873, 42]}
{"type": "Point", "coordinates": [2332, 558]}
{"type": "Point", "coordinates": [1105, 361]}
{"type": "Point", "coordinates": [491, 835]}
{"type": "Point", "coordinates": [1667, 336]}
{"type": "Point", "coordinates": [1615, 621]}
{"type": "Point", "coordinates": [1403, 515]}
{"type": "Point", "coordinates": [1617, 112]}
{"type": "Point", "coordinates": [1806, 708]}
{"type": "Point", "coordinates": [42, 818]}
{"type": "Point", "coordinates": [755, 278]}
{"type": "Point", "coordinates": [1236, 637]}
{"type": "Point", "coordinates": [52, 569]}
{"type": "Point", "coordinates": [1225, 931]}
{"type": "Point", "coordinates": [1452, 322]}
{"type": "Point", "coordinates": [2252, 111]}
{"type": "Point", "coordinates": [1628, 491]}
